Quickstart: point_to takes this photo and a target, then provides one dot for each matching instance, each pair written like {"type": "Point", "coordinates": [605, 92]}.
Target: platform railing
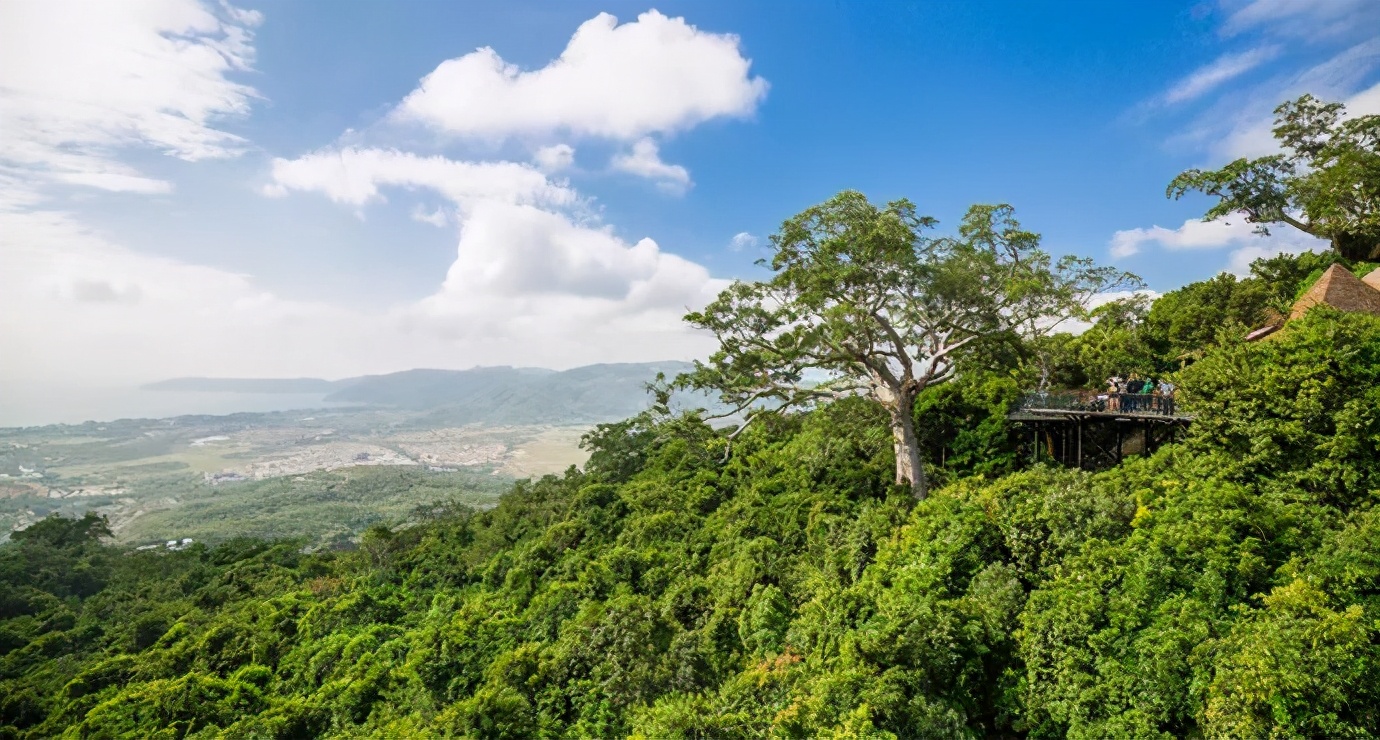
{"type": "Point", "coordinates": [1154, 404]}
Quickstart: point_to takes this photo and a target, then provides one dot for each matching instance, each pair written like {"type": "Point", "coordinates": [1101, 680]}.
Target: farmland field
{"type": "Point", "coordinates": [321, 476]}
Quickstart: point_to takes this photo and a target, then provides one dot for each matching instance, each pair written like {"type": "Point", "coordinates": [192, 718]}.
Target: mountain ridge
{"type": "Point", "coordinates": [495, 395]}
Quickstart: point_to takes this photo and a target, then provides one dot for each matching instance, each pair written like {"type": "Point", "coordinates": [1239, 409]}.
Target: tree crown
{"type": "Point", "coordinates": [868, 298]}
{"type": "Point", "coordinates": [1325, 182]}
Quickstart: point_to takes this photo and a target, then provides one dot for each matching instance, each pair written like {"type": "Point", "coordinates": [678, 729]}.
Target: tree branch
{"type": "Point", "coordinates": [1301, 226]}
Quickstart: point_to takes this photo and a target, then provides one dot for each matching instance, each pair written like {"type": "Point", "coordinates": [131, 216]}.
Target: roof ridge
{"type": "Point", "coordinates": [1340, 289]}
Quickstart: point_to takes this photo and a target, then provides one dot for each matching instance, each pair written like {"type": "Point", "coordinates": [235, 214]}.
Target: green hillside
{"type": "Point", "coordinates": [1226, 586]}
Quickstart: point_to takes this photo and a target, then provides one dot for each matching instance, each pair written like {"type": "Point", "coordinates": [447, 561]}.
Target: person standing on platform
{"type": "Point", "coordinates": [1166, 398]}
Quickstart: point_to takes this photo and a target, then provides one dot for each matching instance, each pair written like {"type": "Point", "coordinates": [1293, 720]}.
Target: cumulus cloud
{"type": "Point", "coordinates": [535, 279]}
{"type": "Point", "coordinates": [515, 242]}
{"type": "Point", "coordinates": [1234, 233]}
{"type": "Point", "coordinates": [652, 75]}
{"type": "Point", "coordinates": [743, 240]}
{"type": "Point", "coordinates": [645, 161]}
{"type": "Point", "coordinates": [1218, 234]}
{"type": "Point", "coordinates": [554, 158]}
{"type": "Point", "coordinates": [79, 82]}
{"type": "Point", "coordinates": [354, 176]}
{"type": "Point", "coordinates": [71, 300]}
{"type": "Point", "coordinates": [509, 249]}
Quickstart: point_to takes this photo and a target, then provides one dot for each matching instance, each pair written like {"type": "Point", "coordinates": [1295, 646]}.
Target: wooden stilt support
{"type": "Point", "coordinates": [1080, 444]}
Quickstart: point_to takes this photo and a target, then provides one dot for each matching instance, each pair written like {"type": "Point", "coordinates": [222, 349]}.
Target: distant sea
{"type": "Point", "coordinates": [37, 406]}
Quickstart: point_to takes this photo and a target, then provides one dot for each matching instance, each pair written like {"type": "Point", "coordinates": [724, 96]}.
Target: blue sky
{"type": "Point", "coordinates": [329, 189]}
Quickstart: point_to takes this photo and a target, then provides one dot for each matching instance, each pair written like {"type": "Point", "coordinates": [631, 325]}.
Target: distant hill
{"type": "Point", "coordinates": [484, 395]}
{"type": "Point", "coordinates": [248, 385]}
{"type": "Point", "coordinates": [505, 395]}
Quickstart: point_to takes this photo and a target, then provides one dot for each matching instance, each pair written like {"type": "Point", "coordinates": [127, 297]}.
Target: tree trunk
{"type": "Point", "coordinates": [909, 469]}
{"type": "Point", "coordinates": [1356, 247]}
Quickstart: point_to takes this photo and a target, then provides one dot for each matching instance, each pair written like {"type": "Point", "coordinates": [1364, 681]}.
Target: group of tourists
{"type": "Point", "coordinates": [1138, 395]}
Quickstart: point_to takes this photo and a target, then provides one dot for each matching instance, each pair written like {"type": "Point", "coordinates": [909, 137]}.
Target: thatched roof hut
{"type": "Point", "coordinates": [1372, 278]}
{"type": "Point", "coordinates": [1341, 290]}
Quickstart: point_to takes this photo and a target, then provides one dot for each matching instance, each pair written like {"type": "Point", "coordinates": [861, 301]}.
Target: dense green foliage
{"type": "Point", "coordinates": [1152, 339]}
{"type": "Point", "coordinates": [320, 508]}
{"type": "Point", "coordinates": [1228, 586]}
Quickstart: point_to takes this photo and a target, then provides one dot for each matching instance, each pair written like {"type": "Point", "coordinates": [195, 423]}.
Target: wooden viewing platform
{"type": "Point", "coordinates": [1149, 406]}
{"type": "Point", "coordinates": [1093, 430]}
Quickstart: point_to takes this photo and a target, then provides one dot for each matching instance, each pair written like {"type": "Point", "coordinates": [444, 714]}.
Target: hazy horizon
{"type": "Point", "coordinates": [43, 407]}
{"type": "Point", "coordinates": [47, 404]}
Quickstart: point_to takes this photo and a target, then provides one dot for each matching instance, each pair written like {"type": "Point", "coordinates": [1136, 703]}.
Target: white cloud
{"type": "Point", "coordinates": [645, 161]}
{"type": "Point", "coordinates": [544, 286]}
{"type": "Point", "coordinates": [1330, 49]}
{"type": "Point", "coordinates": [512, 245]}
{"type": "Point", "coordinates": [72, 301]}
{"type": "Point", "coordinates": [528, 287]}
{"type": "Point", "coordinates": [1310, 19]}
{"type": "Point", "coordinates": [743, 240]}
{"type": "Point", "coordinates": [530, 283]}
{"type": "Point", "coordinates": [81, 81]}
{"type": "Point", "coordinates": [655, 74]}
{"type": "Point", "coordinates": [1364, 103]}
{"type": "Point", "coordinates": [510, 250]}
{"type": "Point", "coordinates": [1223, 69]}
{"type": "Point", "coordinates": [1218, 234]}
{"type": "Point", "coordinates": [354, 176]}
{"type": "Point", "coordinates": [116, 183]}
{"type": "Point", "coordinates": [437, 218]}
{"type": "Point", "coordinates": [537, 277]}
{"type": "Point", "coordinates": [554, 158]}
{"type": "Point", "coordinates": [1194, 234]}
{"type": "Point", "coordinates": [1235, 233]}
{"type": "Point", "coordinates": [1250, 132]}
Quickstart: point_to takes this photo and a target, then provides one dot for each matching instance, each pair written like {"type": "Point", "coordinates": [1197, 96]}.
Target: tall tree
{"type": "Point", "coordinates": [863, 301]}
{"type": "Point", "coordinates": [1325, 182]}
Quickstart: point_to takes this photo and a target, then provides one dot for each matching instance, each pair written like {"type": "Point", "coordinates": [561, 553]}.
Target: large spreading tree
{"type": "Point", "coordinates": [1325, 181]}
{"type": "Point", "coordinates": [863, 300]}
